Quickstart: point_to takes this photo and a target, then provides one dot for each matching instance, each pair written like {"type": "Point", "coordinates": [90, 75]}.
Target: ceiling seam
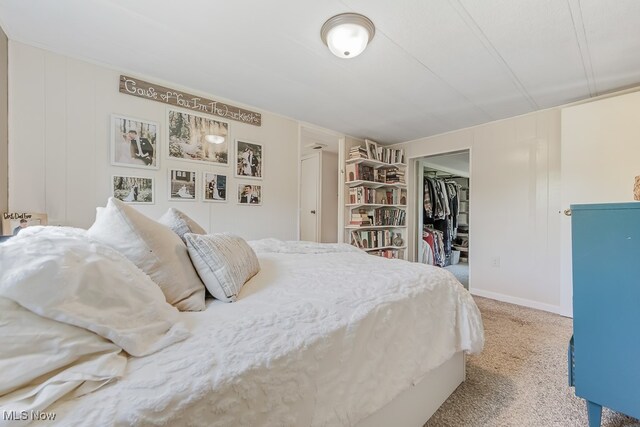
{"type": "Point", "coordinates": [575, 11]}
{"type": "Point", "coordinates": [493, 51]}
{"type": "Point", "coordinates": [437, 76]}
{"type": "Point", "coordinates": [426, 67]}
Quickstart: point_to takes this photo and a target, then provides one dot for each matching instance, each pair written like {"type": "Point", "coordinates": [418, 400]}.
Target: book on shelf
{"type": "Point", "coordinates": [384, 154]}
{"type": "Point", "coordinates": [371, 239]}
{"type": "Point", "coordinates": [357, 172]}
{"type": "Point", "coordinates": [389, 253]}
{"type": "Point", "coordinates": [390, 217]}
{"type": "Point", "coordinates": [395, 196]}
{"type": "Point", "coordinates": [390, 155]}
{"type": "Point", "coordinates": [362, 195]}
{"type": "Point", "coordinates": [356, 241]}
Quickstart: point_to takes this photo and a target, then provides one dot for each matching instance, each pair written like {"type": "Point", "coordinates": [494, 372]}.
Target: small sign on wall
{"type": "Point", "coordinates": [140, 88]}
{"type": "Point", "coordinates": [14, 222]}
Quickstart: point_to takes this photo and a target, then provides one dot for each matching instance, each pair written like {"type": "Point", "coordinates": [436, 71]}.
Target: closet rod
{"type": "Point", "coordinates": [437, 174]}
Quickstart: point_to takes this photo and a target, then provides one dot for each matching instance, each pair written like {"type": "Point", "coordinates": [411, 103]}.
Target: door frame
{"type": "Point", "coordinates": [414, 213]}
{"type": "Point", "coordinates": [318, 195]}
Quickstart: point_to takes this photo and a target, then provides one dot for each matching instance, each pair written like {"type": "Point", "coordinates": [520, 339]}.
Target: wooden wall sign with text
{"type": "Point", "coordinates": [142, 89]}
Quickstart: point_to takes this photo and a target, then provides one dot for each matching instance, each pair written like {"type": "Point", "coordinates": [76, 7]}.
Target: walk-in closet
{"type": "Point", "coordinates": [443, 213]}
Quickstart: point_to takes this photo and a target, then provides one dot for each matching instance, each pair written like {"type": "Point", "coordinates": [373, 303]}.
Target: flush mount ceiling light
{"type": "Point", "coordinates": [214, 139]}
{"type": "Point", "coordinates": [347, 34]}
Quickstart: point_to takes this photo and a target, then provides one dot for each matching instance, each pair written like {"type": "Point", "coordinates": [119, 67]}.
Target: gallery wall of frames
{"type": "Point", "coordinates": [190, 139]}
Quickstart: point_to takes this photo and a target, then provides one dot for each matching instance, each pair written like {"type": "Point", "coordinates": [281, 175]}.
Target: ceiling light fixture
{"type": "Point", "coordinates": [347, 34]}
{"type": "Point", "coordinates": [214, 139]}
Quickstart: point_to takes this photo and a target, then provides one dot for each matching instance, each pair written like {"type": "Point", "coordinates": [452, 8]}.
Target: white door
{"type": "Point", "coordinates": [309, 183]}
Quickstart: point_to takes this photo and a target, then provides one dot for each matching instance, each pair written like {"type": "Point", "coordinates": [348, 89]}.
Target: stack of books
{"type": "Point", "coordinates": [395, 176]}
{"type": "Point", "coordinates": [358, 152]}
{"type": "Point", "coordinates": [360, 219]}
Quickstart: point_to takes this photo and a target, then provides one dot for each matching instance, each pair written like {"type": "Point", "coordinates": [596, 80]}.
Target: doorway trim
{"type": "Point", "coordinates": [318, 195]}
{"type": "Point", "coordinates": [414, 213]}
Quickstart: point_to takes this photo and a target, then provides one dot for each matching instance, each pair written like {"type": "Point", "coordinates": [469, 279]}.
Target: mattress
{"type": "Point", "coordinates": [322, 335]}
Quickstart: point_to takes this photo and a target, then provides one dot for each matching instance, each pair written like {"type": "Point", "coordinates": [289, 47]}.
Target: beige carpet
{"type": "Point", "coordinates": [520, 379]}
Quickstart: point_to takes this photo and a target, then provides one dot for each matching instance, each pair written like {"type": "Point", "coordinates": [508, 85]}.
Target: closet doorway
{"type": "Point", "coordinates": [443, 212]}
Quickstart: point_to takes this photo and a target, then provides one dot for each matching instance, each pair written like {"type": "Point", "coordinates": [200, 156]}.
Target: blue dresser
{"type": "Point", "coordinates": [604, 353]}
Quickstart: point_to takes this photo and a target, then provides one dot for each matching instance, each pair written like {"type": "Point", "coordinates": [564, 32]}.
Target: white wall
{"type": "Point", "coordinates": [514, 200]}
{"type": "Point", "coordinates": [59, 149]}
{"type": "Point", "coordinates": [601, 150]}
{"type": "Point", "coordinates": [329, 197]}
{"type": "Point", "coordinates": [4, 162]}
{"type": "Point", "coordinates": [600, 159]}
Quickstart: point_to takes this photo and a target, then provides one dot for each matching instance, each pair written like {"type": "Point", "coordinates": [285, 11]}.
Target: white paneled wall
{"type": "Point", "coordinates": [4, 161]}
{"type": "Point", "coordinates": [59, 149]}
{"type": "Point", "coordinates": [514, 197]}
{"type": "Point", "coordinates": [600, 160]}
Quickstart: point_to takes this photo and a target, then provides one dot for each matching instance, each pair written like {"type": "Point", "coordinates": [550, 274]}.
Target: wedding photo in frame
{"type": "Point", "coordinates": [214, 187]}
{"type": "Point", "coordinates": [249, 194]}
{"type": "Point", "coordinates": [249, 159]}
{"type": "Point", "coordinates": [197, 138]}
{"type": "Point", "coordinates": [133, 189]}
{"type": "Point", "coordinates": [134, 142]}
{"type": "Point", "coordinates": [13, 223]}
{"type": "Point", "coordinates": [182, 185]}
{"type": "Point", "coordinates": [372, 149]}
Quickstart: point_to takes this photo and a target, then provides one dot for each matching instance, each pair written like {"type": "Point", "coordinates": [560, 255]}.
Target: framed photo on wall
{"type": "Point", "coordinates": [249, 159]}
{"type": "Point", "coordinates": [249, 194]}
{"type": "Point", "coordinates": [182, 185]}
{"type": "Point", "coordinates": [197, 138]}
{"type": "Point", "coordinates": [134, 142]}
{"type": "Point", "coordinates": [214, 187]}
{"type": "Point", "coordinates": [133, 189]}
{"type": "Point", "coordinates": [13, 223]}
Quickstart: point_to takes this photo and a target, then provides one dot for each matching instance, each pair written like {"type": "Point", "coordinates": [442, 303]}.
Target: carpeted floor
{"type": "Point", "coordinates": [520, 379]}
{"type": "Point", "coordinates": [461, 271]}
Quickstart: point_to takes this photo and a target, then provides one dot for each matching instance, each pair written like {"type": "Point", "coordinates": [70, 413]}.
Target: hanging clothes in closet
{"type": "Point", "coordinates": [440, 214]}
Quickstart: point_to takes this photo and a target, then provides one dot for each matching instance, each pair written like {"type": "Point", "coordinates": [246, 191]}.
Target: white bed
{"type": "Point", "coordinates": [322, 335]}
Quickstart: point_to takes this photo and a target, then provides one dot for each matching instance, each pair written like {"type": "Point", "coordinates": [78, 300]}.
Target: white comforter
{"type": "Point", "coordinates": [322, 335]}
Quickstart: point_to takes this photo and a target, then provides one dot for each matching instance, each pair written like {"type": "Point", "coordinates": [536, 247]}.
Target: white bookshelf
{"type": "Point", "coordinates": [381, 198]}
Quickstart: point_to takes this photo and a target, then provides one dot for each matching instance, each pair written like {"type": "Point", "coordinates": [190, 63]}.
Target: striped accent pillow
{"type": "Point", "coordinates": [224, 262]}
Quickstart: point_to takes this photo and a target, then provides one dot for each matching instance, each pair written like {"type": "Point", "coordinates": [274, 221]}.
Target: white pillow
{"type": "Point", "coordinates": [225, 262]}
{"type": "Point", "coordinates": [180, 223]}
{"type": "Point", "coordinates": [42, 360]}
{"type": "Point", "coordinates": [155, 249]}
{"type": "Point", "coordinates": [63, 275]}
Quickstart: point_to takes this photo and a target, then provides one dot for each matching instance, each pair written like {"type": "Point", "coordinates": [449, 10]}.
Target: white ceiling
{"type": "Point", "coordinates": [433, 66]}
{"type": "Point", "coordinates": [310, 136]}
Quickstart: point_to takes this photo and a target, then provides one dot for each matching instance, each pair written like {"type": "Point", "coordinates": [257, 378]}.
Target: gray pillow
{"type": "Point", "coordinates": [224, 262]}
{"type": "Point", "coordinates": [180, 223]}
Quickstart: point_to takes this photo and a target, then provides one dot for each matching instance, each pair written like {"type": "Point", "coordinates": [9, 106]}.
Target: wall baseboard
{"type": "Point", "coordinates": [517, 301]}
